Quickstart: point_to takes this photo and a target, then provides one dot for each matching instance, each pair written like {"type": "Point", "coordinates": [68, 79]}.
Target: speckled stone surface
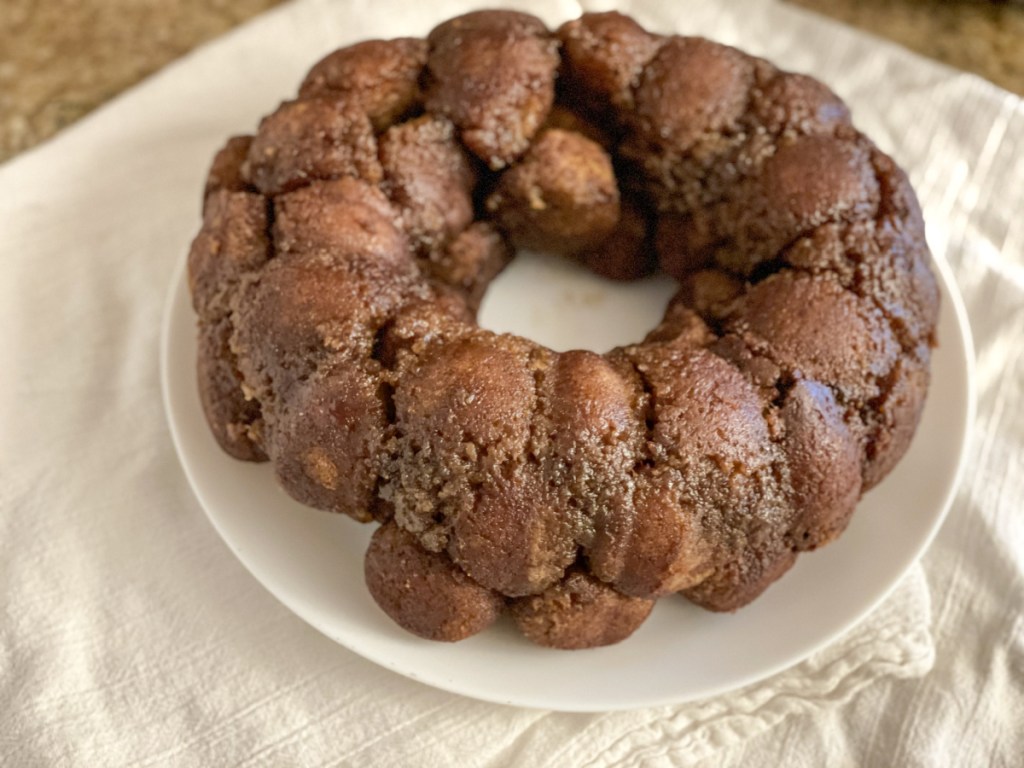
{"type": "Point", "coordinates": [60, 59]}
{"type": "Point", "coordinates": [979, 36]}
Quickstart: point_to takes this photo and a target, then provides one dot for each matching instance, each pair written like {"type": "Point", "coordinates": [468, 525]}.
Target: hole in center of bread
{"type": "Point", "coordinates": [562, 305]}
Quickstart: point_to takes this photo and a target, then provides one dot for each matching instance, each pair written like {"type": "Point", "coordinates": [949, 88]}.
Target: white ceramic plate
{"type": "Point", "coordinates": [313, 561]}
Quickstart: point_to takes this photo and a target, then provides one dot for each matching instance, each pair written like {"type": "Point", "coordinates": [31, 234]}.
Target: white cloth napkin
{"type": "Point", "coordinates": [131, 636]}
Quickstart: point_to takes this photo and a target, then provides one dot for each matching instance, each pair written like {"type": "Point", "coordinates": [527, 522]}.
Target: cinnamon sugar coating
{"type": "Point", "coordinates": [561, 198]}
{"type": "Point", "coordinates": [381, 77]}
{"type": "Point", "coordinates": [347, 245]}
{"type": "Point", "coordinates": [603, 59]}
{"type": "Point", "coordinates": [424, 592]}
{"type": "Point", "coordinates": [324, 137]}
{"type": "Point", "coordinates": [493, 74]}
{"type": "Point", "coordinates": [579, 612]}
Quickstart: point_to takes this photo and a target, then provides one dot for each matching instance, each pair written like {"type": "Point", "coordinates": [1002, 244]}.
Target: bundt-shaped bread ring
{"type": "Point", "coordinates": [346, 246]}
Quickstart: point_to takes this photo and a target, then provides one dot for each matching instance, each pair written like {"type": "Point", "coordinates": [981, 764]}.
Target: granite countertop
{"type": "Point", "coordinates": [59, 59]}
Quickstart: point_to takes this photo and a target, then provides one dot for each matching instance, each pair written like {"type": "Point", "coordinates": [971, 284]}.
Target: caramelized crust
{"type": "Point", "coordinates": [380, 77]}
{"type": "Point", "coordinates": [226, 168]}
{"type": "Point", "coordinates": [327, 442]}
{"type": "Point", "coordinates": [429, 178]}
{"type": "Point", "coordinates": [235, 419]}
{"type": "Point", "coordinates": [424, 592]}
{"type": "Point", "coordinates": [346, 247]}
{"type": "Point", "coordinates": [470, 261]}
{"type": "Point", "coordinates": [561, 198]}
{"type": "Point", "coordinates": [493, 74]}
{"type": "Point", "coordinates": [345, 217]}
{"type": "Point", "coordinates": [231, 244]}
{"type": "Point", "coordinates": [317, 138]}
{"type": "Point", "coordinates": [579, 612]}
{"type": "Point", "coordinates": [603, 59]}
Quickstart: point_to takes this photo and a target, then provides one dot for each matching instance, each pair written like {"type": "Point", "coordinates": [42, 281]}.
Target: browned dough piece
{"type": "Point", "coordinates": [561, 198]}
{"type": "Point", "coordinates": [380, 77]}
{"type": "Point", "coordinates": [317, 138]}
{"type": "Point", "coordinates": [579, 612]}
{"type": "Point", "coordinates": [493, 75]}
{"type": "Point", "coordinates": [424, 592]}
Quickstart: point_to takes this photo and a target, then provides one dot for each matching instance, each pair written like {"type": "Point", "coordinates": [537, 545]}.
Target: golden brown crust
{"type": "Point", "coordinates": [317, 138]}
{"type": "Point", "coordinates": [304, 311]}
{"type": "Point", "coordinates": [327, 440]}
{"type": "Point", "coordinates": [226, 169]}
{"type": "Point", "coordinates": [470, 261]}
{"type": "Point", "coordinates": [380, 77]}
{"type": "Point", "coordinates": [493, 75]}
{"type": "Point", "coordinates": [235, 420]}
{"type": "Point", "coordinates": [603, 59]}
{"type": "Point", "coordinates": [347, 245]}
{"type": "Point", "coordinates": [824, 464]}
{"type": "Point", "coordinates": [738, 581]}
{"type": "Point", "coordinates": [691, 88]}
{"type": "Point", "coordinates": [429, 178]}
{"type": "Point", "coordinates": [561, 198]}
{"type": "Point", "coordinates": [424, 592]}
{"type": "Point", "coordinates": [344, 217]}
{"type": "Point", "coordinates": [232, 243]}
{"type": "Point", "coordinates": [851, 346]}
{"type": "Point", "coordinates": [579, 612]}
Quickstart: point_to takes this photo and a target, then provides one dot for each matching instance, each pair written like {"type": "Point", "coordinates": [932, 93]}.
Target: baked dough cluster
{"type": "Point", "coordinates": [346, 246]}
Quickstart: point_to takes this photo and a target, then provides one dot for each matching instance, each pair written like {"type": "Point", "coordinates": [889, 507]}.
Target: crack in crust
{"type": "Point", "coordinates": [346, 247]}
